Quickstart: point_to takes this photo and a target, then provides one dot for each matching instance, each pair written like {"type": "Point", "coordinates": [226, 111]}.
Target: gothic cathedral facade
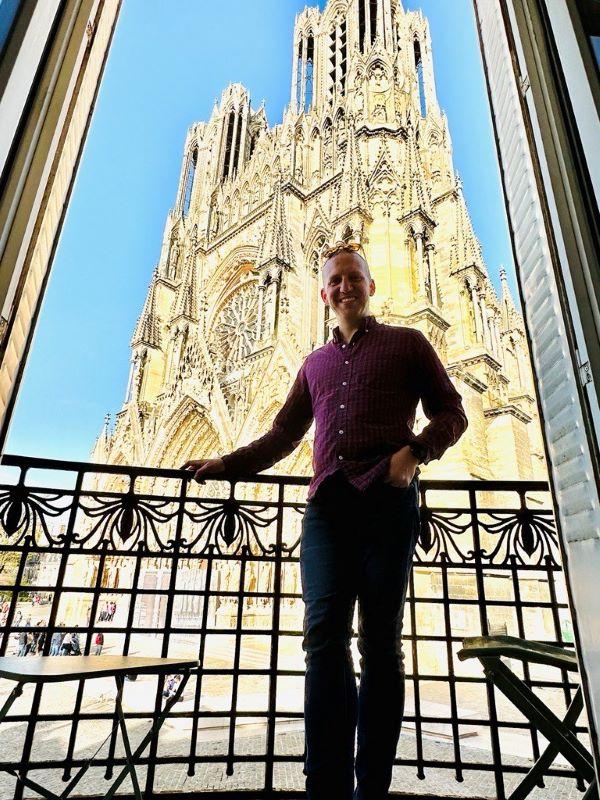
{"type": "Point", "coordinates": [233, 307]}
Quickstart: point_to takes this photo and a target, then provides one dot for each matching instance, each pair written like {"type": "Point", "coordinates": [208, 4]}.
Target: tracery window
{"type": "Point", "coordinates": [368, 11]}
{"type": "Point", "coordinates": [305, 71]}
{"type": "Point", "coordinates": [373, 10]}
{"type": "Point", "coordinates": [228, 143]}
{"type": "Point", "coordinates": [362, 25]}
{"type": "Point", "coordinates": [232, 144]}
{"type": "Point", "coordinates": [234, 332]}
{"type": "Point", "coordinates": [420, 82]}
{"type": "Point", "coordinates": [189, 181]}
{"type": "Point", "coordinates": [299, 70]}
{"type": "Point", "coordinates": [337, 60]}
{"type": "Point", "coordinates": [309, 72]}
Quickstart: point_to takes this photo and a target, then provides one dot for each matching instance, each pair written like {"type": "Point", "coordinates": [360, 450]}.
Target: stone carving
{"type": "Point", "coordinates": [379, 93]}
{"type": "Point", "coordinates": [173, 258]}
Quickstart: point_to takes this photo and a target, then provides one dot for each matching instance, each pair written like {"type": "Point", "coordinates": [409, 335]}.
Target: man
{"type": "Point", "coordinates": [56, 642]}
{"type": "Point", "coordinates": [361, 522]}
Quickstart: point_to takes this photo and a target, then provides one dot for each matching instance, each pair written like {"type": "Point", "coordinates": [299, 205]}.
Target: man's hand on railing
{"type": "Point", "coordinates": [204, 466]}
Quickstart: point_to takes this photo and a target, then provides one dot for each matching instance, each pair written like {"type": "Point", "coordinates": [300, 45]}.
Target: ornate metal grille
{"type": "Point", "coordinates": [213, 571]}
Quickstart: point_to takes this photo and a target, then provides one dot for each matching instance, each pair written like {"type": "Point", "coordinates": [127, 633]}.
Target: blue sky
{"type": "Point", "coordinates": [168, 62]}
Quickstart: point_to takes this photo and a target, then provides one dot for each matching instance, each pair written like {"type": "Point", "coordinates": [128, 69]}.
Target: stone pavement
{"type": "Point", "coordinates": [289, 741]}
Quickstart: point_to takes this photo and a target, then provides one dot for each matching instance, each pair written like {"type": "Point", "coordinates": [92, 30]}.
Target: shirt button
{"type": "Point", "coordinates": [343, 346]}
{"type": "Point", "coordinates": [344, 383]}
{"type": "Point", "coordinates": [341, 431]}
{"type": "Point", "coordinates": [342, 405]}
{"type": "Point", "coordinates": [341, 458]}
{"type": "Point", "coordinates": [346, 362]}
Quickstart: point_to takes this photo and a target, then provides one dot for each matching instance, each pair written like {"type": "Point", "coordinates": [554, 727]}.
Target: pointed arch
{"type": "Point", "coordinates": [334, 12]}
{"type": "Point", "coordinates": [188, 432]}
{"type": "Point", "coordinates": [239, 262]}
{"type": "Point", "coordinates": [318, 234]}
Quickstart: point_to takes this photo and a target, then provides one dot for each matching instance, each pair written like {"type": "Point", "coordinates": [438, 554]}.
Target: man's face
{"type": "Point", "coordinates": [347, 286]}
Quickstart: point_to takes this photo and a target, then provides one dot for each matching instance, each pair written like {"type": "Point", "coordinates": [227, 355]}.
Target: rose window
{"type": "Point", "coordinates": [235, 329]}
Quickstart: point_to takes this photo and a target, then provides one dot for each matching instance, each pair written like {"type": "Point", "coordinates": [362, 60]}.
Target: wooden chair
{"type": "Point", "coordinates": [559, 733]}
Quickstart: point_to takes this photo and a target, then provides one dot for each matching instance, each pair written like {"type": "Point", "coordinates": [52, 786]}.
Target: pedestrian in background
{"type": "Point", "coordinates": [98, 643]}
{"type": "Point", "coordinates": [55, 643]}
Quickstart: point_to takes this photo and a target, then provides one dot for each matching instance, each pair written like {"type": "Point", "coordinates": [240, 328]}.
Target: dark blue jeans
{"type": "Point", "coordinates": [355, 545]}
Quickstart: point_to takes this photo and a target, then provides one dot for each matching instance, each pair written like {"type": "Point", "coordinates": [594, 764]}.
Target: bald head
{"type": "Point", "coordinates": [346, 257]}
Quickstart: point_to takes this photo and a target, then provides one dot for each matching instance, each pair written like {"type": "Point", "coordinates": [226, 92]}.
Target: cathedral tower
{"type": "Point", "coordinates": [363, 153]}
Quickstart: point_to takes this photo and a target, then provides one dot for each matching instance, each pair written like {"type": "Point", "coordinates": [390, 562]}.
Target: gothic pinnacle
{"type": "Point", "coordinates": [275, 247]}
{"type": "Point", "coordinates": [352, 192]}
{"type": "Point", "coordinates": [186, 299]}
{"type": "Point", "coordinates": [148, 330]}
{"type": "Point", "coordinates": [416, 196]}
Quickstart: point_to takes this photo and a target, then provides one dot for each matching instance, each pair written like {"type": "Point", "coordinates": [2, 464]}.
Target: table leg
{"type": "Point", "coordinates": [128, 755]}
{"type": "Point", "coordinates": [16, 692]}
{"type": "Point", "coordinates": [154, 729]}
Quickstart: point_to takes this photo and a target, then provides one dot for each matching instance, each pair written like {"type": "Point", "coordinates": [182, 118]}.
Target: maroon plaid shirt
{"type": "Point", "coordinates": [362, 396]}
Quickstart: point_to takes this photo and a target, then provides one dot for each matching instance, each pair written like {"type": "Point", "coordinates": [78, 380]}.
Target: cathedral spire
{"type": "Point", "coordinates": [101, 448]}
{"type": "Point", "coordinates": [509, 310]}
{"type": "Point", "coordinates": [352, 190]}
{"type": "Point", "coordinates": [275, 248]}
{"type": "Point", "coordinates": [465, 247]}
{"type": "Point", "coordinates": [186, 299]}
{"type": "Point", "coordinates": [147, 330]}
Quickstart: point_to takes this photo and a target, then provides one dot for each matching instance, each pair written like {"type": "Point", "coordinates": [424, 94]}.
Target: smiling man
{"type": "Point", "coordinates": [361, 523]}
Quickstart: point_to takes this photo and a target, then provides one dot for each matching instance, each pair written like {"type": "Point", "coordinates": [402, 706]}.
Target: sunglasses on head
{"type": "Point", "coordinates": [329, 250]}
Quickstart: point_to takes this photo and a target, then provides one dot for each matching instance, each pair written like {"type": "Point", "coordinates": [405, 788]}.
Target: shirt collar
{"type": "Point", "coordinates": [365, 324]}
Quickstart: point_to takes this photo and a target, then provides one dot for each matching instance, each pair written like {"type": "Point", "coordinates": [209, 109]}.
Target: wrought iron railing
{"type": "Point", "coordinates": [162, 566]}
